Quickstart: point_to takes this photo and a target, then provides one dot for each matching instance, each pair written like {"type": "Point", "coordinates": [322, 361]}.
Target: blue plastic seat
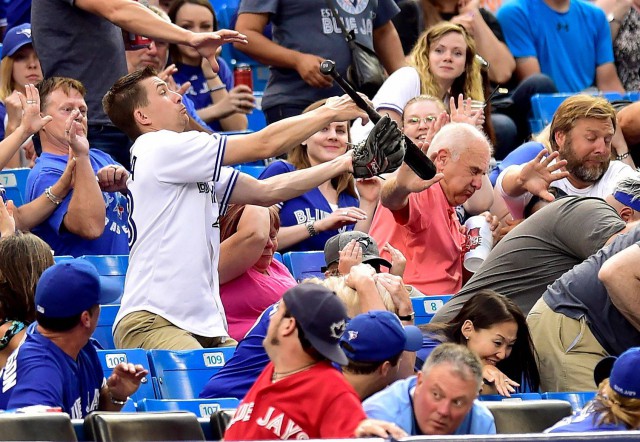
{"type": "Point", "coordinates": [103, 333]}
{"type": "Point", "coordinates": [199, 407]}
{"type": "Point", "coordinates": [183, 374]}
{"type": "Point", "coordinates": [304, 265]}
{"type": "Point", "coordinates": [110, 358]}
{"type": "Point", "coordinates": [632, 96]}
{"type": "Point", "coordinates": [278, 256]}
{"type": "Point", "coordinates": [577, 399]}
{"type": "Point", "coordinates": [514, 397]}
{"type": "Point", "coordinates": [254, 171]}
{"type": "Point", "coordinates": [61, 258]}
{"type": "Point", "coordinates": [15, 184]}
{"type": "Point", "coordinates": [426, 307]}
{"type": "Point", "coordinates": [113, 267]}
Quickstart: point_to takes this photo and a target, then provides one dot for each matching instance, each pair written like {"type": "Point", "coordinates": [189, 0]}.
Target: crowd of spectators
{"type": "Point", "coordinates": [120, 109]}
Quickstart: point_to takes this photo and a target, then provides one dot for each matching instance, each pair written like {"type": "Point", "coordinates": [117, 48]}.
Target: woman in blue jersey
{"type": "Point", "coordinates": [308, 221]}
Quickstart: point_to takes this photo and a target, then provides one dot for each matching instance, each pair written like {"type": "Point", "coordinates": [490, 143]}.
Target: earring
{"type": "Point", "coordinates": [466, 337]}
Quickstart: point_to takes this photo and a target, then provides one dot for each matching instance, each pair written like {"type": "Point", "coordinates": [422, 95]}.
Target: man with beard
{"type": "Point", "coordinates": [580, 135]}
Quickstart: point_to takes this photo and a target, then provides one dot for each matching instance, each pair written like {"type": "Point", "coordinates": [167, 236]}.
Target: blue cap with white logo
{"type": "Point", "coordinates": [15, 38]}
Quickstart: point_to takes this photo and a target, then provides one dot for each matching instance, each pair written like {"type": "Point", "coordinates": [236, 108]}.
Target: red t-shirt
{"type": "Point", "coordinates": [429, 238]}
{"type": "Point", "coordinates": [314, 404]}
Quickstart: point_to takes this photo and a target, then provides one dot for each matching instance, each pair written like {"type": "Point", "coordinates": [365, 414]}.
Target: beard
{"type": "Point", "coordinates": [577, 168]}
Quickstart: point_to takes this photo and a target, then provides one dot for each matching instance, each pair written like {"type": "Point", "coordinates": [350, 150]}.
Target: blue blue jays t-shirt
{"type": "Point", "coordinates": [40, 373]}
{"type": "Point", "coordinates": [568, 45]}
{"type": "Point", "coordinates": [241, 371]}
{"type": "Point", "coordinates": [586, 420]}
{"type": "Point", "coordinates": [310, 206]}
{"type": "Point", "coordinates": [113, 241]}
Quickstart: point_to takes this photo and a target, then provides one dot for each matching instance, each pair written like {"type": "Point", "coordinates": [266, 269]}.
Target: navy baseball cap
{"type": "Point", "coordinates": [624, 378]}
{"type": "Point", "coordinates": [322, 317]}
{"type": "Point", "coordinates": [15, 38]}
{"type": "Point", "coordinates": [70, 287]}
{"type": "Point", "coordinates": [378, 335]}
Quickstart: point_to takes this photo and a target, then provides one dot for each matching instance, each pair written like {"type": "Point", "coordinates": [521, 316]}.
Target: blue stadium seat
{"type": "Point", "coordinates": [545, 105]}
{"type": "Point", "coordinates": [110, 358]}
{"type": "Point", "coordinates": [277, 256]}
{"type": "Point", "coordinates": [183, 374]}
{"type": "Point", "coordinates": [257, 120]}
{"type": "Point", "coordinates": [632, 96]}
{"type": "Point", "coordinates": [514, 397]}
{"type": "Point", "coordinates": [15, 184]}
{"type": "Point", "coordinates": [103, 334]}
{"type": "Point", "coordinates": [304, 265]}
{"type": "Point", "coordinates": [61, 258]}
{"type": "Point", "coordinates": [112, 266]}
{"type": "Point", "coordinates": [426, 307]}
{"type": "Point", "coordinates": [254, 171]}
{"type": "Point", "coordinates": [199, 407]}
{"type": "Point", "coordinates": [577, 399]}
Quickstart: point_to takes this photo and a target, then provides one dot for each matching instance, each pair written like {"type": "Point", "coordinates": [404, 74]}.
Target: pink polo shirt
{"type": "Point", "coordinates": [430, 240]}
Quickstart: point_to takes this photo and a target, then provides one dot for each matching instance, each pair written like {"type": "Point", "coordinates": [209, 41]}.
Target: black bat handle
{"type": "Point", "coordinates": [328, 67]}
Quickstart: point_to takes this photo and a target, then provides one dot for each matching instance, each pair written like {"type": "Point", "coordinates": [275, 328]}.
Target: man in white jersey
{"type": "Point", "coordinates": [581, 133]}
{"type": "Point", "coordinates": [177, 189]}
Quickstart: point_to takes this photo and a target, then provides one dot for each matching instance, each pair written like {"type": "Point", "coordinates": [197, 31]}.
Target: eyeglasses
{"type": "Point", "coordinates": [416, 120]}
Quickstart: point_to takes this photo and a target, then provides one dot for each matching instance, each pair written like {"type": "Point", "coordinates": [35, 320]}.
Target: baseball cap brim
{"type": "Point", "coordinates": [333, 352]}
{"type": "Point", "coordinates": [414, 338]}
{"type": "Point", "coordinates": [603, 369]}
{"type": "Point", "coordinates": [10, 51]}
{"type": "Point", "coordinates": [110, 290]}
{"type": "Point", "coordinates": [372, 260]}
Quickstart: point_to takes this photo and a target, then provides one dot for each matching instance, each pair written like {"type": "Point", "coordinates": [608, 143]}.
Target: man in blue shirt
{"type": "Point", "coordinates": [568, 40]}
{"type": "Point", "coordinates": [440, 400]}
{"type": "Point", "coordinates": [57, 364]}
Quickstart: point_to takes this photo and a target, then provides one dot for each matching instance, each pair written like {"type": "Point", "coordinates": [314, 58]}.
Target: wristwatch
{"type": "Point", "coordinates": [410, 317]}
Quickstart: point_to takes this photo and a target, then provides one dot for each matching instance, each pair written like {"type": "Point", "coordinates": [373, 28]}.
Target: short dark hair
{"type": "Point", "coordinates": [124, 97]}
{"type": "Point", "coordinates": [366, 367]}
{"type": "Point", "coordinates": [63, 324]}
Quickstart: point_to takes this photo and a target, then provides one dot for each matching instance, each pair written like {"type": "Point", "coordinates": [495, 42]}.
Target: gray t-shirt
{"type": "Point", "coordinates": [74, 43]}
{"type": "Point", "coordinates": [308, 26]}
{"type": "Point", "coordinates": [579, 293]}
{"type": "Point", "coordinates": [540, 250]}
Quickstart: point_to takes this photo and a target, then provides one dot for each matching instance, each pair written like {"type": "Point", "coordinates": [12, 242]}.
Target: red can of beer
{"type": "Point", "coordinates": [242, 75]}
{"type": "Point", "coordinates": [133, 41]}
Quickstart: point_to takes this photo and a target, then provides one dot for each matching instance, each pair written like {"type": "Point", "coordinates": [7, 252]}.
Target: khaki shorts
{"type": "Point", "coordinates": [567, 350]}
{"type": "Point", "coordinates": [146, 330]}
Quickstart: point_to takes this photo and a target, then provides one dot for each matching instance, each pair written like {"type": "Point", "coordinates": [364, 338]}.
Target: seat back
{"type": "Point", "coordinates": [277, 256]}
{"type": "Point", "coordinates": [426, 307]}
{"type": "Point", "coordinates": [38, 426]}
{"type": "Point", "coordinates": [577, 399]}
{"type": "Point", "coordinates": [113, 267]}
{"type": "Point", "coordinates": [199, 407]}
{"type": "Point", "coordinates": [304, 265]}
{"type": "Point", "coordinates": [516, 397]}
{"type": "Point", "coordinates": [519, 417]}
{"type": "Point", "coordinates": [183, 374]}
{"type": "Point", "coordinates": [219, 422]}
{"type": "Point", "coordinates": [254, 171]}
{"type": "Point", "coordinates": [105, 426]}
{"type": "Point", "coordinates": [137, 356]}
{"type": "Point", "coordinates": [103, 333]}
{"type": "Point", "coordinates": [15, 184]}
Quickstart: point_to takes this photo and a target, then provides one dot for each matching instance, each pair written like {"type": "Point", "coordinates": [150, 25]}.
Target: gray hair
{"type": "Point", "coordinates": [629, 185]}
{"type": "Point", "coordinates": [464, 362]}
{"type": "Point", "coordinates": [457, 138]}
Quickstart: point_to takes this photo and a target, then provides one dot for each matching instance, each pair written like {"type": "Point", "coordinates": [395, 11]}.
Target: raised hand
{"type": "Point", "coordinates": [463, 113]}
{"type": "Point", "coordinates": [412, 183]}
{"type": "Point", "coordinates": [398, 260]}
{"type": "Point", "coordinates": [350, 255]}
{"type": "Point", "coordinates": [346, 109]}
{"type": "Point", "coordinates": [7, 222]}
{"type": "Point", "coordinates": [207, 43]}
{"type": "Point", "coordinates": [340, 217]}
{"type": "Point", "coordinates": [76, 135]}
{"type": "Point", "coordinates": [125, 380]}
{"type": "Point", "coordinates": [308, 67]}
{"type": "Point", "coordinates": [536, 176]}
{"type": "Point", "coordinates": [32, 121]}
{"type": "Point", "coordinates": [500, 382]}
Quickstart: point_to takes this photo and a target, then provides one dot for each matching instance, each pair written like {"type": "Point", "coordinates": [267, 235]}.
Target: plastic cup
{"type": "Point", "coordinates": [479, 242]}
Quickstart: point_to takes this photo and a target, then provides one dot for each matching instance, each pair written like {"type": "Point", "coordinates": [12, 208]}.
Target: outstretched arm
{"type": "Point", "coordinates": [621, 276]}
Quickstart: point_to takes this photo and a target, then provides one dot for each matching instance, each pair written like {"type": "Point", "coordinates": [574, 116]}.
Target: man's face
{"type": "Point", "coordinates": [165, 109]}
{"type": "Point", "coordinates": [155, 55]}
{"type": "Point", "coordinates": [442, 399]}
{"type": "Point", "coordinates": [59, 106]}
{"type": "Point", "coordinates": [463, 176]}
{"type": "Point", "coordinates": [587, 148]}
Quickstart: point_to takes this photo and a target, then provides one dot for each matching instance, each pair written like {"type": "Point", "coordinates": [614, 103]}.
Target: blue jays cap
{"type": "Point", "coordinates": [322, 317]}
{"type": "Point", "coordinates": [15, 38]}
{"type": "Point", "coordinates": [624, 378]}
{"type": "Point", "coordinates": [70, 287]}
{"type": "Point", "coordinates": [378, 335]}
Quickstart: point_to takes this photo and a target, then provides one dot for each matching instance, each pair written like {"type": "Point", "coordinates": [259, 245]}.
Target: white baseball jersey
{"type": "Point", "coordinates": [177, 190]}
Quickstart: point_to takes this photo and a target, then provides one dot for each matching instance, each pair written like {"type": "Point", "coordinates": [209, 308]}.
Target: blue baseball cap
{"type": "Point", "coordinates": [15, 38]}
{"type": "Point", "coordinates": [322, 317]}
{"type": "Point", "coordinates": [70, 287]}
{"type": "Point", "coordinates": [378, 335]}
{"type": "Point", "coordinates": [624, 378]}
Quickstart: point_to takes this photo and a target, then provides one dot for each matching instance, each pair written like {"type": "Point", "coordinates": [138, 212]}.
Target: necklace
{"type": "Point", "coordinates": [283, 374]}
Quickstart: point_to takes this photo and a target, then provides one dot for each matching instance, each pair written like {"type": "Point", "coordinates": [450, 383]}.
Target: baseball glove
{"type": "Point", "coordinates": [382, 151]}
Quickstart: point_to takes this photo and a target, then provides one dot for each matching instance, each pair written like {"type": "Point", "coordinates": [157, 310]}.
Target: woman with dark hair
{"type": "Point", "coordinates": [23, 258]}
{"type": "Point", "coordinates": [250, 279]}
{"type": "Point", "coordinates": [494, 328]}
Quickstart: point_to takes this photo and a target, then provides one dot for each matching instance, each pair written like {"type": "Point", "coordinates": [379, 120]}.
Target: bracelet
{"type": "Point", "coordinates": [312, 230]}
{"type": "Point", "coordinates": [410, 317]}
{"type": "Point", "coordinates": [622, 157]}
{"type": "Point", "coordinates": [217, 88]}
{"type": "Point", "coordinates": [118, 402]}
{"type": "Point", "coordinates": [53, 198]}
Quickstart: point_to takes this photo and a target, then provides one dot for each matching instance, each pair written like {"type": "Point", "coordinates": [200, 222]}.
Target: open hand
{"type": "Point", "coordinates": [539, 173]}
{"type": "Point", "coordinates": [207, 43]}
{"type": "Point", "coordinates": [32, 121]}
